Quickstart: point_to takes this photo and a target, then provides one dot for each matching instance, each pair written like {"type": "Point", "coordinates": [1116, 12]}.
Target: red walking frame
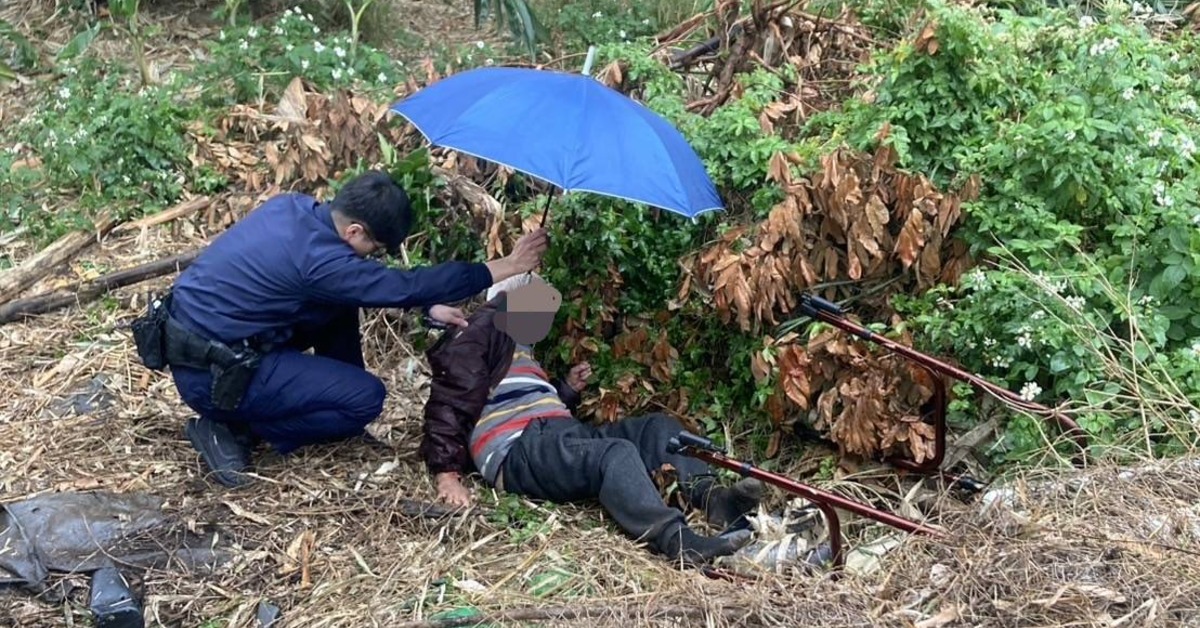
{"type": "Point", "coordinates": [828, 312]}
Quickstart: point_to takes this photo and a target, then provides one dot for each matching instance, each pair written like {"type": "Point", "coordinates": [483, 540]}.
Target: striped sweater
{"type": "Point", "coordinates": [523, 396]}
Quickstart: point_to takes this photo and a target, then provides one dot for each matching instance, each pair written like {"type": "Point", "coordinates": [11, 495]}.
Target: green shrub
{"type": "Point", "coordinates": [120, 147]}
{"type": "Point", "coordinates": [1083, 133]}
{"type": "Point", "coordinates": [256, 61]}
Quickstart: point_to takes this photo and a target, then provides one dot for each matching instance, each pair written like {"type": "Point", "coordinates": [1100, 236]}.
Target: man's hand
{"type": "Point", "coordinates": [450, 490]}
{"type": "Point", "coordinates": [525, 256]}
{"type": "Point", "coordinates": [578, 376]}
{"type": "Point", "coordinates": [447, 315]}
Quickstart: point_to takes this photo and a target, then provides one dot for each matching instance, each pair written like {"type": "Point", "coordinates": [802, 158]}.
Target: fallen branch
{"type": "Point", "coordinates": [179, 211]}
{"type": "Point", "coordinates": [35, 268]}
{"type": "Point", "coordinates": [13, 235]}
{"type": "Point", "coordinates": [567, 613]}
{"type": "Point", "coordinates": [85, 291]}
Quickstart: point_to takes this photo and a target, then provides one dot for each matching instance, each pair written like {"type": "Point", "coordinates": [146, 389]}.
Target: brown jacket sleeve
{"type": "Point", "coordinates": [462, 377]}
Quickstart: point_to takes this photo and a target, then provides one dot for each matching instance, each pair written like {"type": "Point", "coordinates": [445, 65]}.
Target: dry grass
{"type": "Point", "coordinates": [320, 534]}
{"type": "Point", "coordinates": [323, 535]}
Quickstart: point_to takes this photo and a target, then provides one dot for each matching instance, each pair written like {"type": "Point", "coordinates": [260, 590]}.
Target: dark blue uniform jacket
{"type": "Point", "coordinates": [284, 266]}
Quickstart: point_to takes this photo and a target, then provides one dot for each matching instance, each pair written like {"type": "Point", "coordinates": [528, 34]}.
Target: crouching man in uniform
{"type": "Point", "coordinates": [288, 277]}
{"type": "Point", "coordinates": [494, 409]}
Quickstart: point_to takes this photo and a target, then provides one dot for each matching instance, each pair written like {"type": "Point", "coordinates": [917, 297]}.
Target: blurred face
{"type": "Point", "coordinates": [529, 312]}
{"type": "Point", "coordinates": [360, 239]}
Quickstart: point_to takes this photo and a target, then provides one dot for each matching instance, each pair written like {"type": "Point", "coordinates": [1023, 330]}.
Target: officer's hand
{"type": "Point", "coordinates": [448, 315]}
{"type": "Point", "coordinates": [529, 250]}
{"type": "Point", "coordinates": [578, 376]}
{"type": "Point", "coordinates": [450, 490]}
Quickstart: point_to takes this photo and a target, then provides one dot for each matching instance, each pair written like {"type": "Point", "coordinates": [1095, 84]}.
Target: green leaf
{"type": "Point", "coordinates": [1173, 276]}
{"type": "Point", "coordinates": [79, 43]}
{"type": "Point", "coordinates": [1059, 363]}
{"type": "Point", "coordinates": [27, 54]}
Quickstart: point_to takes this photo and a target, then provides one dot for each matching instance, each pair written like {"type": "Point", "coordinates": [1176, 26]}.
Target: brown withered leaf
{"type": "Point", "coordinates": [765, 125]}
{"type": "Point", "coordinates": [911, 239]}
{"type": "Point", "coordinates": [612, 76]}
{"type": "Point", "coordinates": [793, 375]}
{"type": "Point", "coordinates": [774, 444]}
{"type": "Point", "coordinates": [632, 343]}
{"type": "Point", "coordinates": [663, 359]}
{"type": "Point", "coordinates": [929, 264]}
{"type": "Point", "coordinates": [927, 40]}
{"type": "Point", "coordinates": [949, 211]}
{"type": "Point", "coordinates": [778, 169]}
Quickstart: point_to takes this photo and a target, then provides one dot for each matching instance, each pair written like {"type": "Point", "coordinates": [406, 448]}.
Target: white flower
{"type": "Point", "coordinates": [288, 47]}
{"type": "Point", "coordinates": [978, 278]}
{"type": "Point", "coordinates": [221, 36]}
{"type": "Point", "coordinates": [646, 22]}
{"type": "Point", "coordinates": [318, 47]}
{"type": "Point", "coordinates": [1037, 315]}
{"type": "Point", "coordinates": [1075, 303]}
{"type": "Point", "coordinates": [1196, 348]}
{"type": "Point", "coordinates": [621, 33]}
{"type": "Point", "coordinates": [316, 30]}
{"type": "Point", "coordinates": [1196, 220]}
{"type": "Point", "coordinates": [349, 71]}
{"type": "Point", "coordinates": [488, 62]}
{"type": "Point", "coordinates": [1146, 300]}
{"type": "Point", "coordinates": [244, 45]}
{"type": "Point", "coordinates": [1030, 391]}
{"type": "Point", "coordinates": [1129, 159]}
{"type": "Point", "coordinates": [307, 16]}
{"type": "Point", "coordinates": [337, 73]}
{"type": "Point", "coordinates": [1141, 9]}
{"type": "Point", "coordinates": [1185, 145]}
{"type": "Point", "coordinates": [1127, 94]}
{"type": "Point", "coordinates": [64, 92]}
{"type": "Point", "coordinates": [252, 33]}
{"type": "Point", "coordinates": [1188, 104]}
{"type": "Point", "coordinates": [597, 15]}
{"type": "Point", "coordinates": [1195, 417]}
{"type": "Point", "coordinates": [277, 30]}
{"type": "Point", "coordinates": [1160, 195]}
{"type": "Point", "coordinates": [1155, 138]}
{"type": "Point", "coordinates": [1001, 362]}
{"type": "Point", "coordinates": [1086, 22]}
{"type": "Point", "coordinates": [1070, 135]}
{"type": "Point", "coordinates": [480, 44]}
{"type": "Point", "coordinates": [1024, 341]}
{"type": "Point", "coordinates": [382, 78]}
{"type": "Point", "coordinates": [1104, 47]}
{"type": "Point", "coordinates": [304, 64]}
{"type": "Point", "coordinates": [339, 52]}
{"type": "Point", "coordinates": [989, 342]}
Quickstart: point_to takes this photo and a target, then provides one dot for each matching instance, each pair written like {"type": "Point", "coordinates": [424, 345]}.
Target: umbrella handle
{"type": "Point", "coordinates": [546, 210]}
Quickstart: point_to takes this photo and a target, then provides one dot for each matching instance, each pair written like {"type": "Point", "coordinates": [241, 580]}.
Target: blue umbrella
{"type": "Point", "coordinates": [567, 129]}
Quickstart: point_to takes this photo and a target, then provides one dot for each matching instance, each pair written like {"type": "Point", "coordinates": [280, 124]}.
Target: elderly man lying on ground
{"type": "Point", "coordinates": [493, 408]}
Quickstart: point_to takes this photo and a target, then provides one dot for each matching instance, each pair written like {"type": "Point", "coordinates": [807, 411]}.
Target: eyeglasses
{"type": "Point", "coordinates": [380, 248]}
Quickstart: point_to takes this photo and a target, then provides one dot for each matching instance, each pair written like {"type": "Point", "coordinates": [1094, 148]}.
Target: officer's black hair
{"type": "Point", "coordinates": [375, 200]}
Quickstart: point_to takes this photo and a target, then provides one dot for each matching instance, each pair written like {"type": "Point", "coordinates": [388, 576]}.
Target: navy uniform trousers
{"type": "Point", "coordinates": [296, 399]}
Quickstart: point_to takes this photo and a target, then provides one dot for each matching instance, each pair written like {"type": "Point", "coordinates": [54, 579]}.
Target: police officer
{"type": "Point", "coordinates": [291, 276]}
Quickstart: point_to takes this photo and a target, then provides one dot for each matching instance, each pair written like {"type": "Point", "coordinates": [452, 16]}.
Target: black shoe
{"type": "Point", "coordinates": [225, 453]}
{"type": "Point", "coordinates": [724, 507]}
{"type": "Point", "coordinates": [684, 544]}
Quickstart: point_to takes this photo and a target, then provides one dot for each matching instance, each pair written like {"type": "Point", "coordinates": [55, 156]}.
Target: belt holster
{"type": "Point", "coordinates": [232, 368]}
{"type": "Point", "coordinates": [149, 334]}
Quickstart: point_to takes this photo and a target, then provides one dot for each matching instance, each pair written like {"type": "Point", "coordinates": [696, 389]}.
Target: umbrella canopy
{"type": "Point", "coordinates": [567, 129]}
